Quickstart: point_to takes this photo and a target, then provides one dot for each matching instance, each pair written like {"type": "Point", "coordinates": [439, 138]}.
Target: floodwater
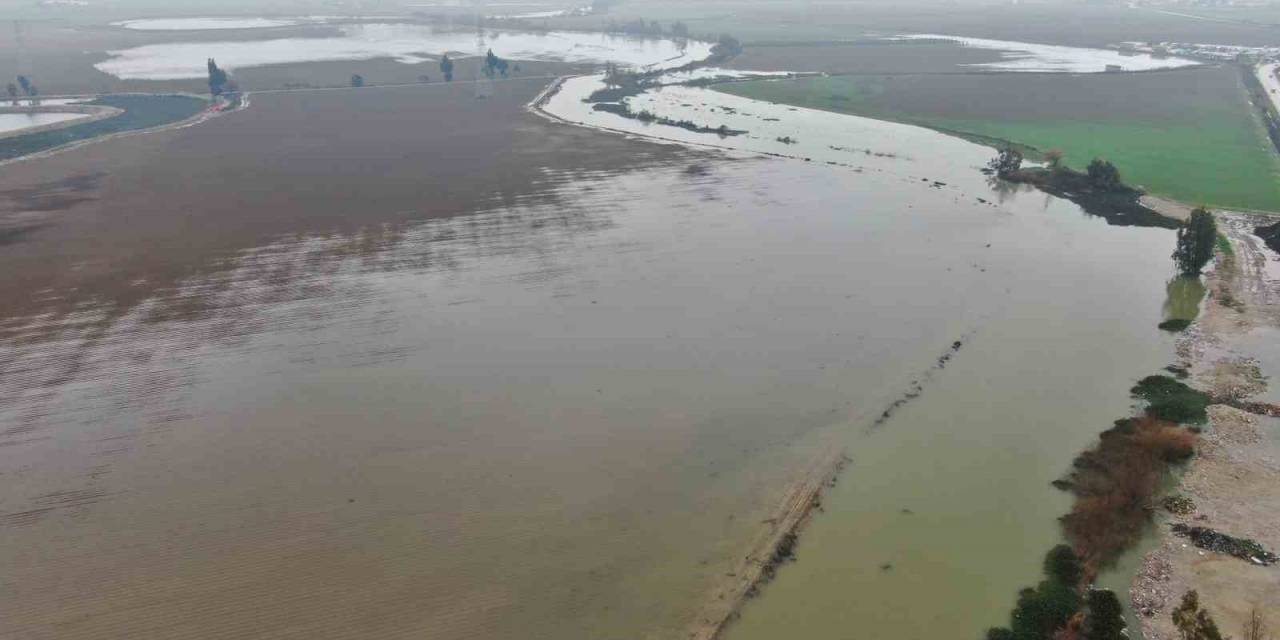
{"type": "Point", "coordinates": [567, 413]}
{"type": "Point", "coordinates": [1028, 56]}
{"type": "Point", "coordinates": [406, 43]}
{"type": "Point", "coordinates": [213, 24]}
{"type": "Point", "coordinates": [947, 510]}
{"type": "Point", "coordinates": [16, 121]}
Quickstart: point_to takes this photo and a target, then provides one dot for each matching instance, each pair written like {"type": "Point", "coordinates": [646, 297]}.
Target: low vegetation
{"type": "Point", "coordinates": [1170, 400]}
{"type": "Point", "coordinates": [1098, 189]}
{"type": "Point", "coordinates": [1100, 177]}
{"type": "Point", "coordinates": [621, 83]}
{"type": "Point", "coordinates": [1049, 605]}
{"type": "Point", "coordinates": [1270, 234]}
{"type": "Point", "coordinates": [1193, 621]}
{"type": "Point", "coordinates": [1115, 484]}
{"type": "Point", "coordinates": [624, 110]}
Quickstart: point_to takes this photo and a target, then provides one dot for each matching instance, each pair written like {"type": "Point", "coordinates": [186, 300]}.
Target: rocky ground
{"type": "Point", "coordinates": [1234, 482]}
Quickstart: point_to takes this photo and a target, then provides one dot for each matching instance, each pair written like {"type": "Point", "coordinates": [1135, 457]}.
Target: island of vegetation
{"type": "Point", "coordinates": [1098, 189]}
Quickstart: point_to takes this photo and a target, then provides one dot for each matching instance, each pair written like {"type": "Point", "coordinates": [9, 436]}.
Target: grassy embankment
{"type": "Point", "coordinates": [1189, 135]}
{"type": "Point", "coordinates": [140, 112]}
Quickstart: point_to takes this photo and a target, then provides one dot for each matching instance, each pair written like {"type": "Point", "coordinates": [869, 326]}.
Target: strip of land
{"type": "Point", "coordinates": [1233, 485]}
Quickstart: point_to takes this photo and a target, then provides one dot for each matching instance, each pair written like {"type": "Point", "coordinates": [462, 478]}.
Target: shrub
{"type": "Point", "coordinates": [1174, 324]}
{"type": "Point", "coordinates": [1103, 175]}
{"type": "Point", "coordinates": [1007, 163]}
{"type": "Point", "coordinates": [1165, 440]}
{"type": "Point", "coordinates": [1045, 609]}
{"type": "Point", "coordinates": [1062, 564]}
{"type": "Point", "coordinates": [1169, 399]}
{"type": "Point", "coordinates": [1179, 504]}
{"type": "Point", "coordinates": [1115, 482]}
{"type": "Point", "coordinates": [1193, 622]}
{"type": "Point", "coordinates": [1105, 619]}
{"type": "Point", "coordinates": [1050, 605]}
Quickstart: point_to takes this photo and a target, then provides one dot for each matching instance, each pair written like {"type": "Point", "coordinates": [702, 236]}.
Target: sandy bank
{"type": "Point", "coordinates": [1234, 482]}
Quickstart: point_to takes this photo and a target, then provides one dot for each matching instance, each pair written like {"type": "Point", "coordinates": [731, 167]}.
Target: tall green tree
{"type": "Point", "coordinates": [1006, 163]}
{"type": "Point", "coordinates": [1103, 175]}
{"type": "Point", "coordinates": [1048, 607]}
{"type": "Point", "coordinates": [1105, 620]}
{"type": "Point", "coordinates": [446, 67]}
{"type": "Point", "coordinates": [217, 79]}
{"type": "Point", "coordinates": [1196, 240]}
{"type": "Point", "coordinates": [1062, 564]}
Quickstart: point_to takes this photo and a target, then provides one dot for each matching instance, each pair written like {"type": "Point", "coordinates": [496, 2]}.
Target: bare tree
{"type": "Point", "coordinates": [1255, 628]}
{"type": "Point", "coordinates": [1053, 158]}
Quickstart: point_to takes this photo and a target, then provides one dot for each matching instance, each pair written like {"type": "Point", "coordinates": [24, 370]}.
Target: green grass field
{"type": "Point", "coordinates": [1190, 135]}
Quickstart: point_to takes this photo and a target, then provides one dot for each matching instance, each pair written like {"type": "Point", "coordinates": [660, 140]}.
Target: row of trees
{"type": "Point", "coordinates": [493, 65]}
{"type": "Point", "coordinates": [1056, 604]}
{"type": "Point", "coordinates": [653, 28]}
{"type": "Point", "coordinates": [1196, 239]}
{"type": "Point", "coordinates": [219, 82]}
{"type": "Point", "coordinates": [1100, 174]}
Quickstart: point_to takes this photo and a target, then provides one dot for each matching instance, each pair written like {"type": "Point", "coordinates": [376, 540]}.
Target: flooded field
{"type": "Point", "coordinates": [213, 24]}
{"type": "Point", "coordinates": [13, 122]}
{"type": "Point", "coordinates": [893, 532]}
{"type": "Point", "coordinates": [1033, 57]}
{"type": "Point", "coordinates": [553, 391]}
{"type": "Point", "coordinates": [406, 43]}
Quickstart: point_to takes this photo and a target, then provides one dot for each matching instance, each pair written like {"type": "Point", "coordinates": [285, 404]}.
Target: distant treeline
{"type": "Point", "coordinates": [640, 27]}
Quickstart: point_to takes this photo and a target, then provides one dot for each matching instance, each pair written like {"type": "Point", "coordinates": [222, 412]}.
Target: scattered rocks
{"type": "Point", "coordinates": [1150, 592]}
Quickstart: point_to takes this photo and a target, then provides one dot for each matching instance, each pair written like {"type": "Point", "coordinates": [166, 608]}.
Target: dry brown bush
{"type": "Point", "coordinates": [1115, 483]}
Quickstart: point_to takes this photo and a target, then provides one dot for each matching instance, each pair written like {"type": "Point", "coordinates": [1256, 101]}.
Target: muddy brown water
{"type": "Point", "coordinates": [457, 372]}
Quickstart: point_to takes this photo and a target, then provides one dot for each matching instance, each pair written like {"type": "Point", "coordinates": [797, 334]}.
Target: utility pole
{"type": "Point", "coordinates": [484, 84]}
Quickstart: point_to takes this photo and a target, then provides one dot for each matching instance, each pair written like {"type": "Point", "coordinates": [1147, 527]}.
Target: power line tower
{"type": "Point", "coordinates": [484, 83]}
